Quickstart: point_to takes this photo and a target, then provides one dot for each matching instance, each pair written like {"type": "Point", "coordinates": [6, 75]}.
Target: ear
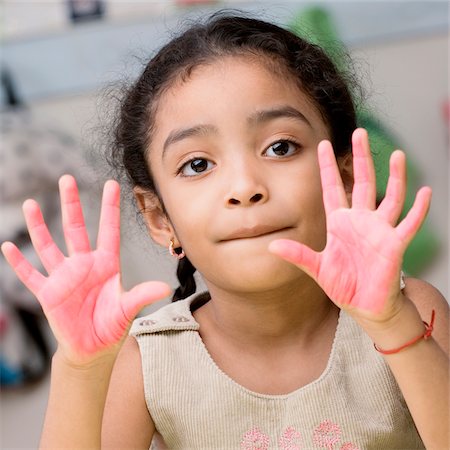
{"type": "Point", "coordinates": [345, 164]}
{"type": "Point", "coordinates": [158, 224]}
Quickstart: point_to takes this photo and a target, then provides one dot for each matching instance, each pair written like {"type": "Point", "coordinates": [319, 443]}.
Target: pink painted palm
{"type": "Point", "coordinates": [359, 268]}
{"type": "Point", "coordinates": [82, 296]}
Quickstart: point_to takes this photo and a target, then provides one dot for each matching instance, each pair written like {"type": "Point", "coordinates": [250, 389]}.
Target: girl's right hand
{"type": "Point", "coordinates": [82, 296]}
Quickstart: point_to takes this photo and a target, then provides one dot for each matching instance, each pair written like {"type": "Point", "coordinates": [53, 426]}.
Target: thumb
{"type": "Point", "coordinates": [296, 253]}
{"type": "Point", "coordinates": [142, 295]}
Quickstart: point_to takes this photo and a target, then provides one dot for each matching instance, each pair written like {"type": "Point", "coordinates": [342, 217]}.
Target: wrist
{"type": "Point", "coordinates": [78, 393]}
{"type": "Point", "coordinates": [92, 369]}
{"type": "Point", "coordinates": [403, 327]}
{"type": "Point", "coordinates": [425, 335]}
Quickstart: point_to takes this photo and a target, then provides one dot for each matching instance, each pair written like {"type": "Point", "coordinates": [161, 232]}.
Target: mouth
{"type": "Point", "coordinates": [253, 232]}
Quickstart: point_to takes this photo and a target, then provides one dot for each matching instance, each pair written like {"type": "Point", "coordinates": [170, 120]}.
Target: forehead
{"type": "Point", "coordinates": [231, 85]}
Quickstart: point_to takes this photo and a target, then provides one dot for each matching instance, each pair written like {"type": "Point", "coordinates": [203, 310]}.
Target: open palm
{"type": "Point", "coordinates": [82, 296]}
{"type": "Point", "coordinates": [359, 268]}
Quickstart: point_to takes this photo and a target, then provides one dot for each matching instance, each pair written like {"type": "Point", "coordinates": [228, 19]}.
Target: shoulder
{"type": "Point", "coordinates": [427, 298]}
{"type": "Point", "coordinates": [133, 428]}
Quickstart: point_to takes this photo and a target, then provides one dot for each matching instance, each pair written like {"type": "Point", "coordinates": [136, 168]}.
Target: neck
{"type": "Point", "coordinates": [295, 312]}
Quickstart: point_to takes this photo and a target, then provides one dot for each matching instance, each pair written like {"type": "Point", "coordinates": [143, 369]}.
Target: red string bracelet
{"type": "Point", "coordinates": [426, 335]}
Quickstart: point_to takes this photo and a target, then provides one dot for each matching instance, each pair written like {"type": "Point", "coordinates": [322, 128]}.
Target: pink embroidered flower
{"type": "Point", "coordinates": [327, 434]}
{"type": "Point", "coordinates": [290, 440]}
{"type": "Point", "coordinates": [255, 439]}
{"type": "Point", "coordinates": [349, 446]}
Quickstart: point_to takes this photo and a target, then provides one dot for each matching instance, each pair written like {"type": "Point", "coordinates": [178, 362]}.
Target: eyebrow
{"type": "Point", "coordinates": [257, 118]}
{"type": "Point", "coordinates": [179, 135]}
{"type": "Point", "coordinates": [267, 115]}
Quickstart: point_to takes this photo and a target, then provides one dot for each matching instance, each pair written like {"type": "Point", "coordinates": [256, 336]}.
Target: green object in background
{"type": "Point", "coordinates": [316, 25]}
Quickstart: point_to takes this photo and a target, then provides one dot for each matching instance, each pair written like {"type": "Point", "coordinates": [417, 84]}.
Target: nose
{"type": "Point", "coordinates": [246, 188]}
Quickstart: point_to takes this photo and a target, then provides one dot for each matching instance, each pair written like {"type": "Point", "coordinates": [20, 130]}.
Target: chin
{"type": "Point", "coordinates": [258, 274]}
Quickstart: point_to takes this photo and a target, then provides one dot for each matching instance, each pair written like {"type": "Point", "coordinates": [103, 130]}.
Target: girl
{"type": "Point", "coordinates": [238, 141]}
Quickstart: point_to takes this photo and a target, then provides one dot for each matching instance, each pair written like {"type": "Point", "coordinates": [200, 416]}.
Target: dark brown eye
{"type": "Point", "coordinates": [199, 165]}
{"type": "Point", "coordinates": [195, 166]}
{"type": "Point", "coordinates": [282, 148]}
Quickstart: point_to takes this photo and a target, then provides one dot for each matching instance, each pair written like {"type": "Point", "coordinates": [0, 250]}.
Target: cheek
{"type": "Point", "coordinates": [189, 214]}
{"type": "Point", "coordinates": [308, 201]}
{"type": "Point", "coordinates": [315, 223]}
{"type": "Point", "coordinates": [303, 184]}
{"type": "Point", "coordinates": [318, 236]}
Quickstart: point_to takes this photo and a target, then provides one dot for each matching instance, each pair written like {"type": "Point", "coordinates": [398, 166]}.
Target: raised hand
{"type": "Point", "coordinates": [359, 268]}
{"type": "Point", "coordinates": [82, 296]}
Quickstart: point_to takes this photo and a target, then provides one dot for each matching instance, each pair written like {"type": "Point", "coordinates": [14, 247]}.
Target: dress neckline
{"type": "Point", "coordinates": [202, 299]}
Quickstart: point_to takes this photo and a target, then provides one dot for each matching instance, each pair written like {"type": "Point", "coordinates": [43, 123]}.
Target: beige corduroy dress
{"type": "Point", "coordinates": [354, 404]}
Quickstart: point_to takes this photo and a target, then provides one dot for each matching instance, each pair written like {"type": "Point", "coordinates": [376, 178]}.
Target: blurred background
{"type": "Point", "coordinates": [58, 57]}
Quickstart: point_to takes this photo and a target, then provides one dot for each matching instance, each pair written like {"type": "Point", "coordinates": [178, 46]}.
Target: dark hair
{"type": "Point", "coordinates": [220, 36]}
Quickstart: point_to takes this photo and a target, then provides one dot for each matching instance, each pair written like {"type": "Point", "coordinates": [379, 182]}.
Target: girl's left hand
{"type": "Point", "coordinates": [359, 268]}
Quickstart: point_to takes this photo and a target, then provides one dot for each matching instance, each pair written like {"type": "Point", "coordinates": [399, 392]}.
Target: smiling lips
{"type": "Point", "coordinates": [252, 232]}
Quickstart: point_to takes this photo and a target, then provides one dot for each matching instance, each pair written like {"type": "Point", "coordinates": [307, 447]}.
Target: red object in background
{"type": "Point", "coordinates": [193, 2]}
{"type": "Point", "coordinates": [3, 324]}
{"type": "Point", "coordinates": [85, 10]}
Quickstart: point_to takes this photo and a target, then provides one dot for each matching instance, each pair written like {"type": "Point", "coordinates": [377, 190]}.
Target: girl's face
{"type": "Point", "coordinates": [234, 158]}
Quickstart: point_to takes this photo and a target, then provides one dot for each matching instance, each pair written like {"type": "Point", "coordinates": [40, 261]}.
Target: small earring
{"type": "Point", "coordinates": [174, 253]}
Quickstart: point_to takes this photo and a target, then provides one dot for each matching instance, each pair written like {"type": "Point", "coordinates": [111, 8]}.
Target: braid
{"type": "Point", "coordinates": [185, 275]}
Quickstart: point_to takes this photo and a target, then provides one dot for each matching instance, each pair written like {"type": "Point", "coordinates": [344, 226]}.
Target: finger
{"type": "Point", "coordinates": [48, 252]}
{"type": "Point", "coordinates": [364, 188]}
{"type": "Point", "coordinates": [143, 295]}
{"type": "Point", "coordinates": [333, 188]}
{"type": "Point", "coordinates": [296, 253]}
{"type": "Point", "coordinates": [392, 205]}
{"type": "Point", "coordinates": [29, 276]}
{"type": "Point", "coordinates": [409, 226]}
{"type": "Point", "coordinates": [75, 233]}
{"type": "Point", "coordinates": [109, 228]}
